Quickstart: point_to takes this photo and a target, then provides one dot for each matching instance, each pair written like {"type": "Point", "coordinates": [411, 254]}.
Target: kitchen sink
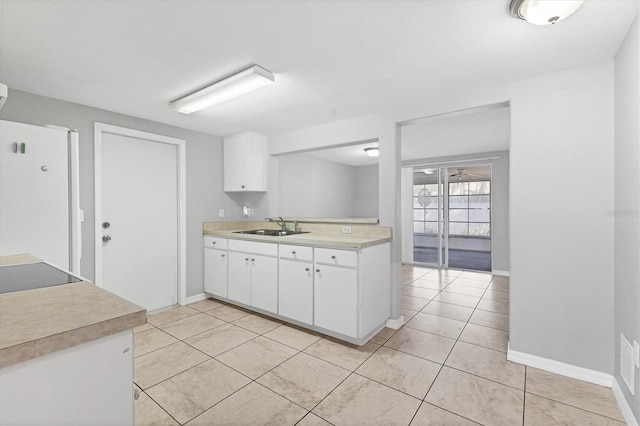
{"type": "Point", "coordinates": [270, 232]}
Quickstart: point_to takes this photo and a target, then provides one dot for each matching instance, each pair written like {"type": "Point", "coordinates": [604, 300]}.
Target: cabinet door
{"type": "Point", "coordinates": [235, 162]}
{"type": "Point", "coordinates": [264, 283]}
{"type": "Point", "coordinates": [246, 161]}
{"type": "Point", "coordinates": [239, 283]}
{"type": "Point", "coordinates": [257, 162]}
{"type": "Point", "coordinates": [295, 293]}
{"type": "Point", "coordinates": [335, 299]}
{"type": "Point", "coordinates": [215, 272]}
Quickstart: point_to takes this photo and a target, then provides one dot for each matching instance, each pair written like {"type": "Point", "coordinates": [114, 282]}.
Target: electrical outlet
{"type": "Point", "coordinates": [346, 229]}
{"type": "Point", "coordinates": [221, 213]}
{"type": "Point", "coordinates": [636, 353]}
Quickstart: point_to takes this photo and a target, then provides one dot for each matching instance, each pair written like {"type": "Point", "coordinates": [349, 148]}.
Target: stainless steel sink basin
{"type": "Point", "coordinates": [270, 232]}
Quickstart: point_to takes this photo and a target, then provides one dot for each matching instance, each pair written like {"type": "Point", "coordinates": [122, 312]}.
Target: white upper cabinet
{"type": "Point", "coordinates": [246, 159]}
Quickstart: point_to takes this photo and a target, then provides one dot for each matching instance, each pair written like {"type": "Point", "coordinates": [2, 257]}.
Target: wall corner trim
{"type": "Point", "coordinates": [395, 323]}
{"type": "Point", "coordinates": [629, 418]}
{"type": "Point", "coordinates": [194, 298]}
{"type": "Point", "coordinates": [561, 368]}
{"type": "Point", "coordinates": [500, 273]}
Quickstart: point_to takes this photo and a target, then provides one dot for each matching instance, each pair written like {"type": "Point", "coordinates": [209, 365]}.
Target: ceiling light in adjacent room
{"type": "Point", "coordinates": [428, 171]}
{"type": "Point", "coordinates": [238, 84]}
{"type": "Point", "coordinates": [372, 152]}
{"type": "Point", "coordinates": [543, 12]}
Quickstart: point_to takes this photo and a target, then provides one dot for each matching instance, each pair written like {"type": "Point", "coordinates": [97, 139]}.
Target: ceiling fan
{"type": "Point", "coordinates": [462, 175]}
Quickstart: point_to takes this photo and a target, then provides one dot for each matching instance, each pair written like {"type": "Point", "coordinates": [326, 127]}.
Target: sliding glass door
{"type": "Point", "coordinates": [452, 217]}
{"type": "Point", "coordinates": [428, 217]}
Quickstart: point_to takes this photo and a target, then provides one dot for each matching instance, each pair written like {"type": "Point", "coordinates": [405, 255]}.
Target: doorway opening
{"type": "Point", "coordinates": [452, 217]}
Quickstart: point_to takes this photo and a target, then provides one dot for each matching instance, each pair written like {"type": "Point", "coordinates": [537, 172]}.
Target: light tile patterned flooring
{"type": "Point", "coordinates": [210, 363]}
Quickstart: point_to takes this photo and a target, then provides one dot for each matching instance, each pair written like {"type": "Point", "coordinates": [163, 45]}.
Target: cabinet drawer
{"type": "Point", "coordinates": [337, 257]}
{"type": "Point", "coordinates": [296, 252]}
{"type": "Point", "coordinates": [215, 242]}
{"type": "Point", "coordinates": [267, 249]}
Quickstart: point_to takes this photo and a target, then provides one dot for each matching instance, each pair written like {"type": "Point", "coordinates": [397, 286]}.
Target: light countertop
{"type": "Point", "coordinates": [45, 320]}
{"type": "Point", "coordinates": [319, 234]}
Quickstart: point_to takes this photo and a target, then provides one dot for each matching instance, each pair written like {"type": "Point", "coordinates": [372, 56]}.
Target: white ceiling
{"type": "Point", "coordinates": [332, 59]}
{"type": "Point", "coordinates": [352, 155]}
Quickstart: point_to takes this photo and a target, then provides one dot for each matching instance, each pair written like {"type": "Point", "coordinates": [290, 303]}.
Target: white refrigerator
{"type": "Point", "coordinates": [39, 200]}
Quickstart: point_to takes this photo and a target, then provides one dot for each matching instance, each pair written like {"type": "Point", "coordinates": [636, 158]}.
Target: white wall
{"type": "Point", "coordinates": [308, 186]}
{"type": "Point", "coordinates": [365, 201]}
{"type": "Point", "coordinates": [626, 213]}
{"type": "Point", "coordinates": [313, 187]}
{"type": "Point", "coordinates": [561, 240]}
{"type": "Point", "coordinates": [204, 170]}
{"type": "Point", "coordinates": [561, 256]}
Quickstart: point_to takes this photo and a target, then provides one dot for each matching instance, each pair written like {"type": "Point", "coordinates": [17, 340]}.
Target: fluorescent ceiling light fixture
{"type": "Point", "coordinates": [543, 12]}
{"type": "Point", "coordinates": [238, 84]}
{"type": "Point", "coordinates": [372, 152]}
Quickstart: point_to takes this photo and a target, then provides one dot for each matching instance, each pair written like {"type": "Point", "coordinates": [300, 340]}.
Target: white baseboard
{"type": "Point", "coordinates": [500, 273]}
{"type": "Point", "coordinates": [629, 418]}
{"type": "Point", "coordinates": [561, 368]}
{"type": "Point", "coordinates": [195, 298]}
{"type": "Point", "coordinates": [395, 323]}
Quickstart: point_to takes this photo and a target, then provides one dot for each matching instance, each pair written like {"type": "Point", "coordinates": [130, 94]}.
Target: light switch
{"type": "Point", "coordinates": [221, 213]}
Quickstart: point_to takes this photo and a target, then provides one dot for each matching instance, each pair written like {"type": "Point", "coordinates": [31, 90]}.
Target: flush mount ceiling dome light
{"type": "Point", "coordinates": [238, 84]}
{"type": "Point", "coordinates": [372, 151]}
{"type": "Point", "coordinates": [543, 12]}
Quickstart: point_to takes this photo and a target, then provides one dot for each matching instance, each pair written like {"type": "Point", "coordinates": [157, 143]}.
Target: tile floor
{"type": "Point", "coordinates": [210, 363]}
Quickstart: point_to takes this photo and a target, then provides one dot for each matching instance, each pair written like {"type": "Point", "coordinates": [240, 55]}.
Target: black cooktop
{"type": "Point", "coordinates": [28, 276]}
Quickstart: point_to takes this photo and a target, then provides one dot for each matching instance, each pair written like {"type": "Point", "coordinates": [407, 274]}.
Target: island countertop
{"type": "Point", "coordinates": [316, 234]}
{"type": "Point", "coordinates": [45, 320]}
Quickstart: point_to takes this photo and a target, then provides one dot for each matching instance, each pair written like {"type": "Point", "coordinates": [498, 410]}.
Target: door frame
{"type": "Point", "coordinates": [443, 225]}
{"type": "Point", "coordinates": [181, 162]}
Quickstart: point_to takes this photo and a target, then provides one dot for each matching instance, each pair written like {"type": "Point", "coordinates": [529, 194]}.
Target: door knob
{"type": "Point", "coordinates": [106, 238]}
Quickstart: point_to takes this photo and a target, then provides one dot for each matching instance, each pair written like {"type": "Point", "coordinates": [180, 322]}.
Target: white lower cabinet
{"type": "Point", "coordinates": [264, 283]}
{"type": "Point", "coordinates": [215, 266]}
{"type": "Point", "coordinates": [253, 274]}
{"type": "Point", "coordinates": [239, 286]}
{"type": "Point", "coordinates": [336, 299]}
{"type": "Point", "coordinates": [341, 292]}
{"type": "Point", "coordinates": [295, 297]}
{"type": "Point", "coordinates": [87, 384]}
{"type": "Point", "coordinates": [215, 272]}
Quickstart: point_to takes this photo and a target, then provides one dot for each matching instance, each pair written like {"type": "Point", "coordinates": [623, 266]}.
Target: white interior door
{"type": "Point", "coordinates": [139, 220]}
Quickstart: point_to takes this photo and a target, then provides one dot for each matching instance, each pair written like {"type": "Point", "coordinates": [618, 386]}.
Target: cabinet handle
{"type": "Point", "coordinates": [253, 260]}
{"type": "Point", "coordinates": [242, 186]}
{"type": "Point", "coordinates": [293, 252]}
{"type": "Point", "coordinates": [246, 259]}
{"type": "Point", "coordinates": [223, 255]}
{"type": "Point", "coordinates": [306, 269]}
{"type": "Point", "coordinates": [213, 242]}
{"type": "Point", "coordinates": [333, 257]}
{"type": "Point", "coordinates": [317, 270]}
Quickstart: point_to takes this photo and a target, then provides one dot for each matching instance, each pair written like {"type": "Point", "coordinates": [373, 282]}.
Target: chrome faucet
{"type": "Point", "coordinates": [281, 222]}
